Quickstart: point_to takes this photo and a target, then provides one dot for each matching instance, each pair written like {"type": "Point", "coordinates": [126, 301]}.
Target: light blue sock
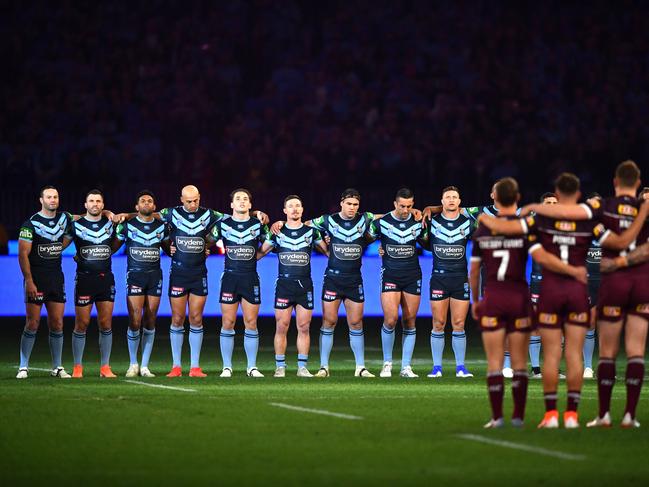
{"type": "Point", "coordinates": [227, 346]}
{"type": "Point", "coordinates": [176, 337]}
{"type": "Point", "coordinates": [589, 348]}
{"type": "Point", "coordinates": [105, 345]}
{"type": "Point", "coordinates": [326, 344]}
{"type": "Point", "coordinates": [147, 345]}
{"type": "Point", "coordinates": [78, 346]}
{"type": "Point", "coordinates": [195, 344]}
{"type": "Point", "coordinates": [408, 346]}
{"type": "Point", "coordinates": [535, 351]}
{"type": "Point", "coordinates": [280, 360]}
{"type": "Point", "coordinates": [26, 346]}
{"type": "Point", "coordinates": [459, 347]}
{"type": "Point", "coordinates": [387, 342]}
{"type": "Point", "coordinates": [507, 362]}
{"type": "Point", "coordinates": [133, 337]}
{"type": "Point", "coordinates": [251, 345]}
{"type": "Point", "coordinates": [437, 347]}
{"type": "Point", "coordinates": [302, 360]}
{"type": "Point", "coordinates": [56, 348]}
{"type": "Point", "coordinates": [357, 344]}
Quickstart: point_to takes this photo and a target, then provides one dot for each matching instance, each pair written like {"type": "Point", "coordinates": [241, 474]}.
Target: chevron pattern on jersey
{"type": "Point", "coordinates": [400, 235]}
{"type": "Point", "coordinates": [347, 234]}
{"type": "Point", "coordinates": [143, 238]}
{"type": "Point", "coordinates": [53, 232]}
{"type": "Point", "coordinates": [297, 243]}
{"type": "Point", "coordinates": [94, 236]}
{"type": "Point", "coordinates": [239, 237]}
{"type": "Point", "coordinates": [451, 235]}
{"type": "Point", "coordinates": [188, 226]}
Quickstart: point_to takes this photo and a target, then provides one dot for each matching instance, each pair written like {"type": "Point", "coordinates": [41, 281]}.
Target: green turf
{"type": "Point", "coordinates": [110, 432]}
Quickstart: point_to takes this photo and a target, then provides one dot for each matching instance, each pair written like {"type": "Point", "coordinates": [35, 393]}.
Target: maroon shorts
{"type": "Point", "coordinates": [624, 292]}
{"type": "Point", "coordinates": [506, 306]}
{"type": "Point", "coordinates": [563, 301]}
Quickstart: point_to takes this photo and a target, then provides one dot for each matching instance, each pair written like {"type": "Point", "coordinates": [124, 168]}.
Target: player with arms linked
{"type": "Point", "coordinates": [504, 312]}
{"type": "Point", "coordinates": [143, 237]}
{"type": "Point", "coordinates": [294, 287]}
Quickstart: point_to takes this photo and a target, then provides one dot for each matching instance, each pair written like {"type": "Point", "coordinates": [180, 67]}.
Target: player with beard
{"type": "Point", "coordinates": [294, 286]}
{"type": "Point", "coordinates": [143, 236]}
{"type": "Point", "coordinates": [42, 238]}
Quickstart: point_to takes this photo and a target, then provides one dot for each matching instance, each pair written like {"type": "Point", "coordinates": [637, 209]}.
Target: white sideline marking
{"type": "Point", "coordinates": [314, 411]}
{"type": "Point", "coordinates": [160, 386]}
{"type": "Point", "coordinates": [40, 369]}
{"type": "Point", "coordinates": [518, 446]}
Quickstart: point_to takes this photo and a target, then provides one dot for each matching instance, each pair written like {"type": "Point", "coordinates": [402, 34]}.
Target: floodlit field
{"type": "Point", "coordinates": [336, 431]}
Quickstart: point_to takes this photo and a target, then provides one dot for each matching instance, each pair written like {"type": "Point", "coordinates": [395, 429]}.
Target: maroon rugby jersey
{"type": "Point", "coordinates": [616, 214]}
{"type": "Point", "coordinates": [567, 239]}
{"type": "Point", "coordinates": [504, 257]}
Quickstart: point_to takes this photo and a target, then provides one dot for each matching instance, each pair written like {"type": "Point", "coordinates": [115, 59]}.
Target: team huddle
{"type": "Point", "coordinates": [562, 239]}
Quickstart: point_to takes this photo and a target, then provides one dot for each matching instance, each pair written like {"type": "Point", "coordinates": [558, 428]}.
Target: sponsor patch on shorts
{"type": "Point", "coordinates": [642, 308]}
{"type": "Point", "coordinates": [548, 318]}
{"type": "Point", "coordinates": [578, 317]}
{"type": "Point", "coordinates": [83, 299]}
{"type": "Point", "coordinates": [489, 321]}
{"type": "Point", "coordinates": [521, 323]}
{"type": "Point", "coordinates": [389, 285]}
{"type": "Point", "coordinates": [612, 311]}
{"type": "Point", "coordinates": [227, 297]}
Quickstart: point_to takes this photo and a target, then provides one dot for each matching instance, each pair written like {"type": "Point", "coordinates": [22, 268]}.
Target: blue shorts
{"type": "Point", "coordinates": [237, 286]}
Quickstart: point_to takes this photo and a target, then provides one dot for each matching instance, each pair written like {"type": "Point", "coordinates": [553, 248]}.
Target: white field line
{"type": "Point", "coordinates": [522, 447]}
{"type": "Point", "coordinates": [314, 411]}
{"type": "Point", "coordinates": [160, 386]}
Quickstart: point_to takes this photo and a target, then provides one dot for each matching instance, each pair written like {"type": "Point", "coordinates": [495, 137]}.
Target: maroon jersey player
{"type": "Point", "coordinates": [624, 295]}
{"type": "Point", "coordinates": [504, 312]}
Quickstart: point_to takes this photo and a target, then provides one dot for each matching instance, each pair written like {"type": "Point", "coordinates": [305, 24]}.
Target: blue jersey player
{"type": "Point", "coordinates": [399, 232]}
{"type": "Point", "coordinates": [293, 244]}
{"type": "Point", "coordinates": [241, 235]}
{"type": "Point", "coordinates": [41, 241]}
{"type": "Point", "coordinates": [447, 235]}
{"type": "Point", "coordinates": [143, 236]}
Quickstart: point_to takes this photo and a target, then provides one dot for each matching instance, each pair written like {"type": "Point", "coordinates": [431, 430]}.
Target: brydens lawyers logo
{"type": "Point", "coordinates": [627, 210]}
{"type": "Point", "coordinates": [548, 318]}
{"type": "Point", "coordinates": [489, 321]}
{"type": "Point", "coordinates": [565, 226]}
{"type": "Point", "coordinates": [612, 311]}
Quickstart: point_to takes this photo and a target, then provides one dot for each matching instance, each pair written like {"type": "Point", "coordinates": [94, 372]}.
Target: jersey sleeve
{"type": "Point", "coordinates": [165, 214]}
{"type": "Point", "coordinates": [530, 228]}
{"type": "Point", "coordinates": [120, 233]}
{"type": "Point", "coordinates": [217, 215]}
{"type": "Point", "coordinates": [69, 228]}
{"type": "Point", "coordinates": [26, 232]}
{"type": "Point", "coordinates": [472, 211]}
{"type": "Point", "coordinates": [476, 252]}
{"type": "Point", "coordinates": [215, 233]}
{"type": "Point", "coordinates": [320, 223]}
{"type": "Point", "coordinates": [594, 209]}
{"type": "Point", "coordinates": [317, 236]}
{"type": "Point", "coordinates": [166, 234]}
{"type": "Point", "coordinates": [374, 229]}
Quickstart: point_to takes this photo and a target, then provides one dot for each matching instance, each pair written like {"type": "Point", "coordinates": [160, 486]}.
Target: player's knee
{"type": "Point", "coordinates": [281, 328]}
{"type": "Point", "coordinates": [31, 324]}
{"type": "Point", "coordinates": [55, 324]}
{"type": "Point", "coordinates": [390, 321]}
{"type": "Point", "coordinates": [196, 318]}
{"type": "Point", "coordinates": [250, 324]}
{"type": "Point", "coordinates": [458, 325]}
{"type": "Point", "coordinates": [438, 326]}
{"type": "Point", "coordinates": [356, 325]}
{"type": "Point", "coordinates": [303, 327]}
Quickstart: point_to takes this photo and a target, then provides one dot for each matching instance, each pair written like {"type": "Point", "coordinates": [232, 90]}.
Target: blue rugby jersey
{"type": "Point", "coordinates": [46, 236]}
{"type": "Point", "coordinates": [447, 239]}
{"type": "Point", "coordinates": [142, 240]}
{"type": "Point", "coordinates": [294, 247]}
{"type": "Point", "coordinates": [241, 240]}
{"type": "Point", "coordinates": [93, 242]}
{"type": "Point", "coordinates": [348, 240]}
{"type": "Point", "coordinates": [187, 232]}
{"type": "Point", "coordinates": [399, 242]}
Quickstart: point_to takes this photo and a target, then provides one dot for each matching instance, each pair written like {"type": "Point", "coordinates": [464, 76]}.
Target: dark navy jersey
{"type": "Point", "coordinates": [294, 247]}
{"type": "Point", "coordinates": [93, 242]}
{"type": "Point", "coordinates": [142, 240]}
{"type": "Point", "coordinates": [187, 232]}
{"type": "Point", "coordinates": [348, 240]}
{"type": "Point", "coordinates": [447, 240]}
{"type": "Point", "coordinates": [399, 242]}
{"type": "Point", "coordinates": [593, 259]}
{"type": "Point", "coordinates": [241, 239]}
{"type": "Point", "coordinates": [46, 236]}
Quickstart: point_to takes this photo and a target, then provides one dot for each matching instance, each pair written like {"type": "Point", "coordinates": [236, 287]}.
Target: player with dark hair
{"type": "Point", "coordinates": [504, 311]}
{"type": "Point", "coordinates": [399, 232]}
{"type": "Point", "coordinates": [41, 241]}
{"type": "Point", "coordinates": [94, 284]}
{"type": "Point", "coordinates": [447, 234]}
{"type": "Point", "coordinates": [143, 237]}
{"type": "Point", "coordinates": [241, 235]}
{"type": "Point", "coordinates": [294, 286]}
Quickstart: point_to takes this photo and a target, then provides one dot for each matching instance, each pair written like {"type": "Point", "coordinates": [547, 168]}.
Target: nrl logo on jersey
{"type": "Point", "coordinates": [627, 210]}
{"type": "Point", "coordinates": [565, 226]}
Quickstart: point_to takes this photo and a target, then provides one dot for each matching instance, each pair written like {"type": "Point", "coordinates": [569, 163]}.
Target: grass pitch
{"type": "Point", "coordinates": [244, 431]}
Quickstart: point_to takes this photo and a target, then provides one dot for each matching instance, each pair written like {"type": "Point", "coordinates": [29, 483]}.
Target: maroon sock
{"type": "Point", "coordinates": [634, 378]}
{"type": "Point", "coordinates": [573, 400]}
{"type": "Point", "coordinates": [550, 399]}
{"type": "Point", "coordinates": [496, 387]}
{"type": "Point", "coordinates": [519, 393]}
{"type": "Point", "coordinates": [605, 383]}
